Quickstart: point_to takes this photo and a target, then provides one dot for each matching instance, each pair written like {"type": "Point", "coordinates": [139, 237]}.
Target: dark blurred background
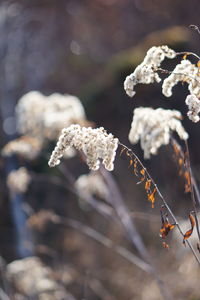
{"type": "Point", "coordinates": [87, 48]}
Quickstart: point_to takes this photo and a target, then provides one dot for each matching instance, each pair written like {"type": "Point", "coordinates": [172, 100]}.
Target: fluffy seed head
{"type": "Point", "coordinates": [92, 184]}
{"type": "Point", "coordinates": [44, 117]}
{"type": "Point", "coordinates": [193, 104]}
{"type": "Point", "coordinates": [18, 180]}
{"type": "Point", "coordinates": [184, 72]}
{"type": "Point", "coordinates": [153, 128]}
{"type": "Point", "coordinates": [146, 72]}
{"type": "Point", "coordinates": [95, 143]}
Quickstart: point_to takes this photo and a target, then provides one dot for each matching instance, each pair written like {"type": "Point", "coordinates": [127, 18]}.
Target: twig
{"type": "Point", "coordinates": [194, 27]}
{"type": "Point", "coordinates": [124, 215]}
{"type": "Point", "coordinates": [188, 53]}
{"type": "Point", "coordinates": [99, 237]}
{"type": "Point", "coordinates": [163, 200]}
{"type": "Point", "coordinates": [98, 288]}
{"type": "Point", "coordinates": [102, 208]}
{"type": "Point", "coordinates": [192, 189]}
{"type": "Point", "coordinates": [193, 180]}
{"type": "Point", "coordinates": [3, 295]}
{"type": "Point", "coordinates": [176, 73]}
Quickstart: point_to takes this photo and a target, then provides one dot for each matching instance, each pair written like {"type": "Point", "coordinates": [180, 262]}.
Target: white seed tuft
{"type": "Point", "coordinates": [95, 143]}
{"type": "Point", "coordinates": [193, 104]}
{"type": "Point", "coordinates": [153, 128]}
{"type": "Point", "coordinates": [146, 72]}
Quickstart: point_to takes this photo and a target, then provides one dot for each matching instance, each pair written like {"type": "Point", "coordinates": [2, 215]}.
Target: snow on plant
{"type": "Point", "coordinates": [153, 128]}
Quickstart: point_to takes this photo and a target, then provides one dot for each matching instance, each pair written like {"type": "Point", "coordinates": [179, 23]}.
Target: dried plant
{"type": "Point", "coordinates": [18, 180]}
{"type": "Point", "coordinates": [153, 127]}
{"type": "Point", "coordinates": [40, 120]}
{"type": "Point", "coordinates": [95, 143]}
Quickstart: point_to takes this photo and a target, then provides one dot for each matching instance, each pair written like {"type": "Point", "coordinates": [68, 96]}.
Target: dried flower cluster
{"type": "Point", "coordinates": [26, 146]}
{"type": "Point", "coordinates": [146, 71]}
{"type": "Point", "coordinates": [41, 118]}
{"type": "Point", "coordinates": [184, 72]}
{"type": "Point", "coordinates": [92, 184]}
{"type": "Point", "coordinates": [18, 180]}
{"type": "Point", "coordinates": [193, 104]}
{"type": "Point", "coordinates": [31, 277]}
{"type": "Point", "coordinates": [44, 117]}
{"type": "Point", "coordinates": [95, 143]}
{"type": "Point", "coordinates": [39, 220]}
{"type": "Point", "coordinates": [153, 128]}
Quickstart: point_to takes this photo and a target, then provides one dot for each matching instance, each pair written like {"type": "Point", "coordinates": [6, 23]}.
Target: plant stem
{"type": "Point", "coordinates": [163, 200]}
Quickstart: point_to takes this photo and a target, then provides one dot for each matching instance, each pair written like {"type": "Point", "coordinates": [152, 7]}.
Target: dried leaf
{"type": "Point", "coordinates": [176, 149]}
{"type": "Point", "coordinates": [185, 56]}
{"type": "Point", "coordinates": [180, 162]}
{"type": "Point", "coordinates": [142, 172]}
{"type": "Point", "coordinates": [189, 232]}
{"type": "Point", "coordinates": [130, 163]}
{"type": "Point", "coordinates": [135, 167]}
{"type": "Point", "coordinates": [165, 229]}
{"type": "Point", "coordinates": [151, 197]}
{"type": "Point", "coordinates": [187, 182]}
{"type": "Point", "coordinates": [198, 64]}
{"type": "Point", "coordinates": [148, 185]}
{"type": "Point", "coordinates": [166, 225]}
{"type": "Point", "coordinates": [165, 245]}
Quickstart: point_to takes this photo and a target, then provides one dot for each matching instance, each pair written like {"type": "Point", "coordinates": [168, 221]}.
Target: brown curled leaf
{"type": "Point", "coordinates": [166, 225]}
{"type": "Point", "coordinates": [130, 163]}
{"type": "Point", "coordinates": [135, 167]}
{"type": "Point", "coordinates": [151, 197]}
{"type": "Point", "coordinates": [176, 149]}
{"type": "Point", "coordinates": [165, 229]}
{"type": "Point", "coordinates": [180, 162]}
{"type": "Point", "coordinates": [142, 172]}
{"type": "Point", "coordinates": [190, 231]}
{"type": "Point", "coordinates": [148, 185]}
{"type": "Point", "coordinates": [187, 182]}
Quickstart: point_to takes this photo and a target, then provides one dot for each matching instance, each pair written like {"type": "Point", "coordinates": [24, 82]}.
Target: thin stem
{"type": "Point", "coordinates": [188, 53]}
{"type": "Point", "coordinates": [163, 200]}
{"type": "Point", "coordinates": [128, 224]}
{"type": "Point", "coordinates": [134, 236]}
{"type": "Point", "coordinates": [102, 208]}
{"type": "Point", "coordinates": [99, 237]}
{"type": "Point", "coordinates": [192, 189]}
{"type": "Point", "coordinates": [194, 27]}
{"type": "Point", "coordinates": [193, 180]}
{"type": "Point", "coordinates": [176, 73]}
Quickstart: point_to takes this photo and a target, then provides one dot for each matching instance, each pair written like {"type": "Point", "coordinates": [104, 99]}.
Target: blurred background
{"type": "Point", "coordinates": [87, 48]}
